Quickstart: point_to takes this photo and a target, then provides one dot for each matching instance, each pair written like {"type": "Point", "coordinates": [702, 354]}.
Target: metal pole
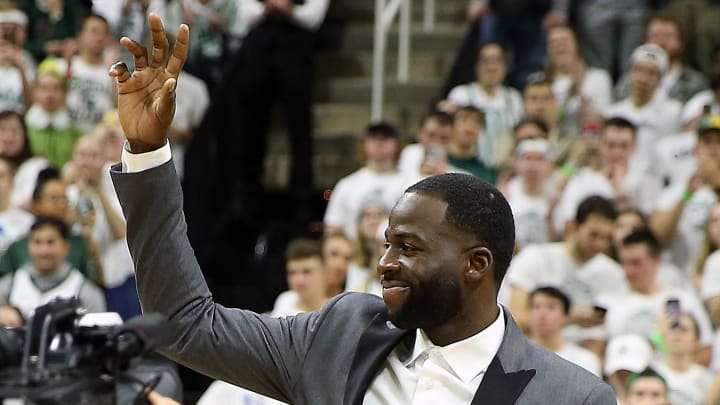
{"type": "Point", "coordinates": [429, 16]}
{"type": "Point", "coordinates": [404, 42]}
{"type": "Point", "coordinates": [376, 104]}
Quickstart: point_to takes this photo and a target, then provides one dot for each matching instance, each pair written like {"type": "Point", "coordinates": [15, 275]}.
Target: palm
{"type": "Point", "coordinates": [140, 102]}
{"type": "Point", "coordinates": [146, 98]}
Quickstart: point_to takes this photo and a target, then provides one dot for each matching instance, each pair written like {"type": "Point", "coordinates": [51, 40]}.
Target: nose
{"type": "Point", "coordinates": [388, 262]}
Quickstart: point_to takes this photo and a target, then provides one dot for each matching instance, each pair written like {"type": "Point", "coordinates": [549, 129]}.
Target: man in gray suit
{"type": "Point", "coordinates": [440, 336]}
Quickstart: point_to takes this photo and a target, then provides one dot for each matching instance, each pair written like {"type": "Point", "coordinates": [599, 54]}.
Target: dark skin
{"type": "Point", "coordinates": [146, 98]}
{"type": "Point", "coordinates": [422, 246]}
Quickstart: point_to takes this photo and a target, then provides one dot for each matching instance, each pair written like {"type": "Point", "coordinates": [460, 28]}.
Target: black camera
{"type": "Point", "coordinates": [56, 359]}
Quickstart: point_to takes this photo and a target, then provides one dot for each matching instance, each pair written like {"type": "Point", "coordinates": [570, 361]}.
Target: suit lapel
{"type": "Point", "coordinates": [377, 341]}
{"type": "Point", "coordinates": [499, 387]}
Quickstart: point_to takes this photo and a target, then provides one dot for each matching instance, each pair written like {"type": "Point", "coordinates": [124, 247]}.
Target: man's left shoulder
{"type": "Point", "coordinates": [568, 383]}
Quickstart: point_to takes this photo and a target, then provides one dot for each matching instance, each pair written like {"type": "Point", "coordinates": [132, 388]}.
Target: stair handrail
{"type": "Point", "coordinates": [385, 12]}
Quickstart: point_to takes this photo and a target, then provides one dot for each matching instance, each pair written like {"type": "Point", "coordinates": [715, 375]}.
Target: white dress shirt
{"type": "Point", "coordinates": [435, 375]}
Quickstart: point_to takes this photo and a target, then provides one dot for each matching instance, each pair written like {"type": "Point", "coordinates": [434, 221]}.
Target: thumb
{"type": "Point", "coordinates": [166, 103]}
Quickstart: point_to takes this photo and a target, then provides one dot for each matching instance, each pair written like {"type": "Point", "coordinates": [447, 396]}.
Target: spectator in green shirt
{"type": "Point", "coordinates": [463, 145]}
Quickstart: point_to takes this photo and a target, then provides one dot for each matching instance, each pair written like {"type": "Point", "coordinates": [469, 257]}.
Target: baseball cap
{"type": "Point", "coordinates": [709, 123]}
{"type": "Point", "coordinates": [536, 146]}
{"type": "Point", "coordinates": [627, 352]}
{"type": "Point", "coordinates": [13, 16]}
{"type": "Point", "coordinates": [651, 53]}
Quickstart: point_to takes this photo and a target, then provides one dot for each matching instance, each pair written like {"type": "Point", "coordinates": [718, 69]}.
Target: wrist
{"type": "Point", "coordinates": [137, 147]}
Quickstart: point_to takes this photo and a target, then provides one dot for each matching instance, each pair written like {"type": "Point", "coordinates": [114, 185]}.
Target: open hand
{"type": "Point", "coordinates": [146, 98]}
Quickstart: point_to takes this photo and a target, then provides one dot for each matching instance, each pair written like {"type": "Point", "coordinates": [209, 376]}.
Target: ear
{"type": "Point", "coordinates": [480, 264]}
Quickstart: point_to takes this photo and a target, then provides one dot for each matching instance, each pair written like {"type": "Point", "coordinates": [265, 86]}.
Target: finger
{"type": "Point", "coordinates": [138, 51]}
{"type": "Point", "coordinates": [166, 103]}
{"type": "Point", "coordinates": [180, 50]}
{"type": "Point", "coordinates": [160, 42]}
{"type": "Point", "coordinates": [119, 71]}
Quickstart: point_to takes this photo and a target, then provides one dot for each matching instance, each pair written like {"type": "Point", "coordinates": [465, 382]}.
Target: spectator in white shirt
{"type": "Point", "coordinates": [653, 113]}
{"type": "Point", "coordinates": [638, 309]}
{"type": "Point", "coordinates": [379, 175]}
{"type": "Point", "coordinates": [581, 91]}
{"type": "Point", "coordinates": [681, 82]}
{"type": "Point", "coordinates": [434, 133]}
{"type": "Point", "coordinates": [530, 192]}
{"type": "Point", "coordinates": [306, 279]}
{"type": "Point", "coordinates": [617, 176]}
{"type": "Point", "coordinates": [682, 210]}
{"type": "Point", "coordinates": [577, 265]}
{"type": "Point", "coordinates": [548, 312]}
{"type": "Point", "coordinates": [688, 382]}
{"type": "Point", "coordinates": [708, 269]}
{"type": "Point", "coordinates": [501, 105]}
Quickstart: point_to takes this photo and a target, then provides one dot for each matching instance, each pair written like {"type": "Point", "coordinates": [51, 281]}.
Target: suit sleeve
{"type": "Point", "coordinates": [602, 394]}
{"type": "Point", "coordinates": [260, 353]}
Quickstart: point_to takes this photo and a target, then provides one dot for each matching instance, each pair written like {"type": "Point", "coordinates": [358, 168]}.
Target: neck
{"type": "Point", "coordinates": [675, 62]}
{"type": "Point", "coordinates": [464, 325]}
{"type": "Point", "coordinates": [489, 89]}
{"type": "Point", "coordinates": [91, 58]}
{"type": "Point", "coordinates": [553, 342]}
{"type": "Point", "coordinates": [679, 362]}
{"type": "Point", "coordinates": [649, 289]}
{"type": "Point", "coordinates": [462, 151]}
{"type": "Point", "coordinates": [640, 100]}
{"type": "Point", "coordinates": [380, 166]}
{"type": "Point", "coordinates": [4, 204]}
{"type": "Point", "coordinates": [311, 303]}
{"type": "Point", "coordinates": [575, 252]}
{"type": "Point", "coordinates": [569, 67]}
{"type": "Point", "coordinates": [533, 188]}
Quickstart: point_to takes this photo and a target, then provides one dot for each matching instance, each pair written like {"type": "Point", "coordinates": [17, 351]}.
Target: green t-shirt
{"type": "Point", "coordinates": [475, 167]}
{"type": "Point", "coordinates": [55, 145]}
{"type": "Point", "coordinates": [79, 257]}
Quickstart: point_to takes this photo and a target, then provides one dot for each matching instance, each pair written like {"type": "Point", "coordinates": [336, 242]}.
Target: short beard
{"type": "Point", "coordinates": [427, 309]}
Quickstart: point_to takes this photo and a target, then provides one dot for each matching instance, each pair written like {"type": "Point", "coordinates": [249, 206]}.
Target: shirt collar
{"type": "Point", "coordinates": [481, 347]}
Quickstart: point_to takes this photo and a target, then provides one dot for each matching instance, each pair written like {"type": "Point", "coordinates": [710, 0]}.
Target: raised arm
{"type": "Point", "coordinates": [260, 353]}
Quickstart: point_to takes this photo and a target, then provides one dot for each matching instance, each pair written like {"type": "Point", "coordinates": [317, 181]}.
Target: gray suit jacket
{"type": "Point", "coordinates": [326, 357]}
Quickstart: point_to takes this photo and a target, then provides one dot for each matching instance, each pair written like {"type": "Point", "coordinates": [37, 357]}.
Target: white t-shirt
{"type": "Point", "coordinates": [25, 179]}
{"type": "Point", "coordinates": [286, 304]}
{"type": "Point", "coordinates": [657, 119]}
{"type": "Point", "coordinates": [14, 224]}
{"type": "Point", "coordinates": [694, 107]}
{"type": "Point", "coordinates": [89, 93]}
{"type": "Point", "coordinates": [588, 182]}
{"type": "Point", "coordinates": [715, 362]}
{"type": "Point", "coordinates": [596, 90]}
{"type": "Point", "coordinates": [632, 312]}
{"type": "Point", "coordinates": [582, 357]}
{"type": "Point", "coordinates": [530, 214]}
{"type": "Point", "coordinates": [685, 245]}
{"type": "Point", "coordinates": [411, 157]}
{"type": "Point", "coordinates": [674, 159]}
{"type": "Point", "coordinates": [193, 100]}
{"type": "Point", "coordinates": [352, 192]}
{"type": "Point", "coordinates": [686, 388]}
{"type": "Point", "coordinates": [502, 112]}
{"type": "Point", "coordinates": [12, 96]}
{"type": "Point", "coordinates": [710, 285]}
{"type": "Point", "coordinates": [550, 264]}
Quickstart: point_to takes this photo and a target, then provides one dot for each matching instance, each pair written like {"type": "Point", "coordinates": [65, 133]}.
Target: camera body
{"type": "Point", "coordinates": [57, 360]}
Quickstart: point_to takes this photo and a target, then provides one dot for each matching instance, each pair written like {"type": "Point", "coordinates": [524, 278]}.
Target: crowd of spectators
{"type": "Point", "coordinates": [599, 120]}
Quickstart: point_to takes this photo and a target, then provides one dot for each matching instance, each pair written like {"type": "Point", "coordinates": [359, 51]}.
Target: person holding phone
{"type": "Point", "coordinates": [638, 309]}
